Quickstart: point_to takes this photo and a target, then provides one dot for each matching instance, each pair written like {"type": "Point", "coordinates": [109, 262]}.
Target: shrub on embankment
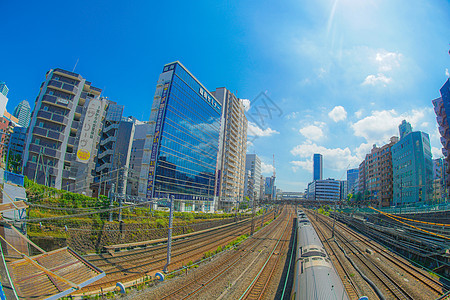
{"type": "Point", "coordinates": [89, 233]}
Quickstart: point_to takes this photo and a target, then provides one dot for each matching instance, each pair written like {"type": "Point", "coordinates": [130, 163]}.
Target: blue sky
{"type": "Point", "coordinates": [342, 74]}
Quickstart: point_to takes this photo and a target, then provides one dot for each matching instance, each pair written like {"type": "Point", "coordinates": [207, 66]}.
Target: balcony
{"type": "Point", "coordinates": [67, 74]}
{"type": "Point", "coordinates": [49, 133]}
{"type": "Point", "coordinates": [72, 140]}
{"type": "Point", "coordinates": [79, 109]}
{"type": "Point", "coordinates": [53, 117]}
{"type": "Point", "coordinates": [69, 157]}
{"type": "Point", "coordinates": [53, 100]}
{"type": "Point", "coordinates": [75, 124]}
{"type": "Point", "coordinates": [63, 87]}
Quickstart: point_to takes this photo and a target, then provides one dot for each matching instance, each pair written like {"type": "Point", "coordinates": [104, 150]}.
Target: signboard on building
{"type": "Point", "coordinates": [156, 139]}
{"type": "Point", "coordinates": [89, 130]}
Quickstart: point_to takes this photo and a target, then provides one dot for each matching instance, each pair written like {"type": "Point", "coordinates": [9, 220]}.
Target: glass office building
{"type": "Point", "coordinates": [317, 166]}
{"type": "Point", "coordinates": [412, 169]}
{"type": "Point", "coordinates": [183, 143]}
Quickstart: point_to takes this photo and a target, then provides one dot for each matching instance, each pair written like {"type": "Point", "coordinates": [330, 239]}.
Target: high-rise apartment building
{"type": "Point", "coordinates": [15, 150]}
{"type": "Point", "coordinates": [412, 169]}
{"type": "Point", "coordinates": [3, 89]}
{"type": "Point", "coordinates": [317, 166]}
{"type": "Point", "coordinates": [252, 176]}
{"type": "Point", "coordinates": [352, 179]}
{"type": "Point", "coordinates": [439, 180]}
{"type": "Point", "coordinates": [23, 113]}
{"type": "Point", "coordinates": [64, 131]}
{"type": "Point", "coordinates": [7, 124]}
{"type": "Point", "coordinates": [234, 146]}
{"type": "Point", "coordinates": [343, 190]}
{"type": "Point", "coordinates": [404, 128]}
{"type": "Point", "coordinates": [362, 177]}
{"type": "Point", "coordinates": [378, 175]}
{"type": "Point", "coordinates": [3, 98]}
{"type": "Point", "coordinates": [136, 157]}
{"type": "Point", "coordinates": [442, 110]}
{"type": "Point", "coordinates": [181, 149]}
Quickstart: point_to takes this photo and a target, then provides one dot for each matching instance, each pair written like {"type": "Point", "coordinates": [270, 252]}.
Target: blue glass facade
{"type": "Point", "coordinates": [317, 167]}
{"type": "Point", "coordinates": [352, 179]}
{"type": "Point", "coordinates": [412, 169]}
{"type": "Point", "coordinates": [183, 158]}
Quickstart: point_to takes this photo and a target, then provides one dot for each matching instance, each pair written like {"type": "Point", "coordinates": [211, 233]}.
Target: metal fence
{"type": "Point", "coordinates": [13, 178]}
{"type": "Point", "coordinates": [405, 209]}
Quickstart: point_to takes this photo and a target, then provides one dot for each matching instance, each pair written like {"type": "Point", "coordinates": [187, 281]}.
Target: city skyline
{"type": "Point", "coordinates": [343, 74]}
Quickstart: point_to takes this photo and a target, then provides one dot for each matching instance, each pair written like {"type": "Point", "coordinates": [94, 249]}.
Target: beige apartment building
{"type": "Point", "coordinates": [232, 149]}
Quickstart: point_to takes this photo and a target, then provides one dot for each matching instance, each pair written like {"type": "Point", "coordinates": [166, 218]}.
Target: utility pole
{"type": "Point", "coordinates": [253, 214]}
{"type": "Point", "coordinates": [111, 201]}
{"type": "Point", "coordinates": [169, 238]}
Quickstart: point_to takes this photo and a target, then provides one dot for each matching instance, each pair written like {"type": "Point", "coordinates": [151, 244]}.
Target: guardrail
{"type": "Point", "coordinates": [13, 178]}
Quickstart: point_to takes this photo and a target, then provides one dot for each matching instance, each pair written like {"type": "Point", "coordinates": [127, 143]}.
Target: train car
{"type": "Point", "coordinates": [315, 276]}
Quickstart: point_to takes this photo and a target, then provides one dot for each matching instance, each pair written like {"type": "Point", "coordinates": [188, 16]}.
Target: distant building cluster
{"type": "Point", "coordinates": [399, 173]}
{"type": "Point", "coordinates": [192, 148]}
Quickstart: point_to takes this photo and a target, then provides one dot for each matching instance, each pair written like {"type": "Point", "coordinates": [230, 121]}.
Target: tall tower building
{"type": "Point", "coordinates": [352, 179]}
{"type": "Point", "coordinates": [412, 169]}
{"type": "Point", "coordinates": [234, 146]}
{"type": "Point", "coordinates": [3, 98]}
{"type": "Point", "coordinates": [404, 128]}
{"type": "Point", "coordinates": [181, 148]}
{"type": "Point", "coordinates": [442, 110]}
{"type": "Point", "coordinates": [23, 113]}
{"type": "Point", "coordinates": [252, 177]}
{"type": "Point", "coordinates": [64, 131]}
{"type": "Point", "coordinates": [136, 157]}
{"type": "Point", "coordinates": [378, 175]}
{"type": "Point", "coordinates": [317, 166]}
{"type": "Point", "coordinates": [3, 89]}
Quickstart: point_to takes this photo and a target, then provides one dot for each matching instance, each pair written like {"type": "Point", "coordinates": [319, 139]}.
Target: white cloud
{"type": "Point", "coordinates": [447, 73]}
{"type": "Point", "coordinates": [387, 60]}
{"type": "Point", "coordinates": [266, 168]}
{"type": "Point", "coordinates": [292, 115]}
{"type": "Point", "coordinates": [436, 152]}
{"type": "Point", "coordinates": [249, 144]}
{"type": "Point", "coordinates": [336, 159]}
{"type": "Point", "coordinates": [338, 114]}
{"type": "Point", "coordinates": [246, 104]}
{"type": "Point", "coordinates": [312, 132]}
{"type": "Point", "coordinates": [377, 79]}
{"type": "Point", "coordinates": [254, 130]}
{"type": "Point", "coordinates": [305, 164]}
{"type": "Point", "coordinates": [359, 113]}
{"type": "Point", "coordinates": [381, 125]}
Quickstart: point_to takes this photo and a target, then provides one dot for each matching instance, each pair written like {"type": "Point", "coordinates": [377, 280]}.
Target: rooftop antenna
{"type": "Point", "coordinates": [75, 65]}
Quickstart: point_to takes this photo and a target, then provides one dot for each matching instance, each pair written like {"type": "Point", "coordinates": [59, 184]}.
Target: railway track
{"type": "Point", "coordinates": [259, 284]}
{"type": "Point", "coordinates": [134, 265]}
{"type": "Point", "coordinates": [404, 265]}
{"type": "Point", "coordinates": [196, 285]}
{"type": "Point", "coordinates": [392, 288]}
{"type": "Point", "coordinates": [350, 287]}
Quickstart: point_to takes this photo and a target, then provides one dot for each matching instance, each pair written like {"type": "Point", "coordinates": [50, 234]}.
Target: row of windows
{"type": "Point", "coordinates": [201, 132]}
{"type": "Point", "coordinates": [176, 161]}
{"type": "Point", "coordinates": [180, 72]}
{"type": "Point", "coordinates": [197, 109]}
{"type": "Point", "coordinates": [186, 146]}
